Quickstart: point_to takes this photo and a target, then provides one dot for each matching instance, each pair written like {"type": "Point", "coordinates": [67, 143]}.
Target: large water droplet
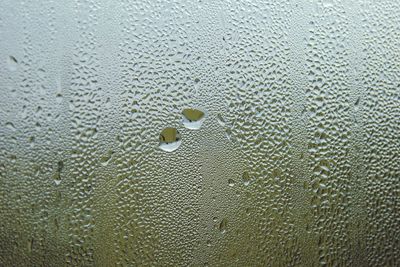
{"type": "Point", "coordinates": [193, 118]}
{"type": "Point", "coordinates": [170, 139]}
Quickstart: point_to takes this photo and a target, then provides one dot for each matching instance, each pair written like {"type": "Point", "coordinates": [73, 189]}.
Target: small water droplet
{"type": "Point", "coordinates": [10, 126]}
{"type": "Point", "coordinates": [104, 160]}
{"type": "Point", "coordinates": [59, 97]}
{"type": "Point", "coordinates": [38, 126]}
{"type": "Point", "coordinates": [41, 73]}
{"type": "Point", "coordinates": [231, 182]}
{"type": "Point", "coordinates": [248, 211]}
{"type": "Point", "coordinates": [12, 63]}
{"type": "Point", "coordinates": [57, 175]}
{"type": "Point", "coordinates": [246, 178]}
{"type": "Point", "coordinates": [223, 225]}
{"type": "Point", "coordinates": [170, 139]}
{"type": "Point", "coordinates": [108, 104]}
{"type": "Point", "coordinates": [56, 224]}
{"type": "Point", "coordinates": [13, 158]}
{"type": "Point", "coordinates": [30, 245]}
{"type": "Point", "coordinates": [31, 141]}
{"type": "Point", "coordinates": [221, 120]}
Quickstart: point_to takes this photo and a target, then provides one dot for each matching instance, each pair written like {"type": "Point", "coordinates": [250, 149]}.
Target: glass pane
{"type": "Point", "coordinates": [199, 133]}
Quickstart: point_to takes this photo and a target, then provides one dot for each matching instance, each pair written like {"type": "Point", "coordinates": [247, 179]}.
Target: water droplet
{"type": "Point", "coordinates": [223, 225]}
{"type": "Point", "coordinates": [56, 224]}
{"type": "Point", "coordinates": [357, 101]}
{"type": "Point", "coordinates": [193, 118]}
{"type": "Point", "coordinates": [231, 182]}
{"type": "Point", "coordinates": [10, 126]}
{"type": "Point", "coordinates": [38, 126]}
{"type": "Point", "coordinates": [57, 175]}
{"type": "Point", "coordinates": [12, 63]}
{"type": "Point", "coordinates": [170, 139]}
{"type": "Point", "coordinates": [31, 141]}
{"type": "Point", "coordinates": [41, 73]}
{"type": "Point", "coordinates": [220, 120]}
{"type": "Point", "coordinates": [30, 245]}
{"type": "Point", "coordinates": [105, 159]}
{"type": "Point", "coordinates": [13, 158]}
{"type": "Point", "coordinates": [59, 97]}
{"type": "Point", "coordinates": [246, 178]}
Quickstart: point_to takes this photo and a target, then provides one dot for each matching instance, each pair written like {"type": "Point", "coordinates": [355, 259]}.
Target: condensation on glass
{"type": "Point", "coordinates": [283, 118]}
